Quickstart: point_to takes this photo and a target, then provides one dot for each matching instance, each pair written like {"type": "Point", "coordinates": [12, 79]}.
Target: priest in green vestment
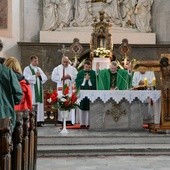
{"type": "Point", "coordinates": [86, 80]}
{"type": "Point", "coordinates": [113, 78]}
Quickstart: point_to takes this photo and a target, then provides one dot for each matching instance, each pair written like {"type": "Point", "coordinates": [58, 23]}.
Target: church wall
{"type": "Point", "coordinates": [161, 20]}
{"type": "Point", "coordinates": [10, 44]}
{"type": "Point", "coordinates": [50, 56]}
{"type": "Point", "coordinates": [27, 21]}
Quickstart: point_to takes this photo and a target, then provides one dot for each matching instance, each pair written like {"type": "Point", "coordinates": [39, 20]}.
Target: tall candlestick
{"type": "Point", "coordinates": [145, 81]}
{"type": "Point", "coordinates": [154, 82]}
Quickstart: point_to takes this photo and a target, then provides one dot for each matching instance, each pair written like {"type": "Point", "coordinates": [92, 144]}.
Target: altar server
{"type": "Point", "coordinates": [140, 77]}
{"type": "Point", "coordinates": [36, 78]}
{"type": "Point", "coordinates": [86, 80]}
{"type": "Point", "coordinates": [65, 74]}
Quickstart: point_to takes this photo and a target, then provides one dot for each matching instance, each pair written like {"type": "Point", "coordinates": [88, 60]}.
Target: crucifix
{"type": "Point", "coordinates": [163, 66]}
{"type": "Point", "coordinates": [63, 50]}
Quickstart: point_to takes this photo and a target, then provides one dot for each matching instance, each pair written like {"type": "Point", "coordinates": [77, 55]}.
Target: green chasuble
{"type": "Point", "coordinates": [106, 80]}
{"type": "Point", "coordinates": [85, 103]}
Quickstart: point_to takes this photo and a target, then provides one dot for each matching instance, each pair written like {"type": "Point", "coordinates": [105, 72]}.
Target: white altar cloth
{"type": "Point", "coordinates": [139, 110]}
{"type": "Point", "coordinates": [118, 95]}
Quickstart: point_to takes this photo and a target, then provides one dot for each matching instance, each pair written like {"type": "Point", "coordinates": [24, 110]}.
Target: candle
{"type": "Point", "coordinates": [145, 81]}
{"type": "Point", "coordinates": [154, 81]}
{"type": "Point", "coordinates": [125, 61]}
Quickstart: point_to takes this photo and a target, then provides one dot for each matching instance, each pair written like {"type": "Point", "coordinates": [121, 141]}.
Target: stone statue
{"type": "Point", "coordinates": [49, 16]}
{"type": "Point", "coordinates": [57, 14]}
{"type": "Point", "coordinates": [83, 13]}
{"type": "Point", "coordinates": [113, 11]}
{"type": "Point", "coordinates": [64, 12]}
{"type": "Point", "coordinates": [143, 15]}
{"type": "Point", "coordinates": [133, 14]}
{"type": "Point", "coordinates": [127, 12]}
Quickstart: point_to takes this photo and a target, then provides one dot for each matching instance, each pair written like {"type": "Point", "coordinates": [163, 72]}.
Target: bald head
{"type": "Point", "coordinates": [65, 61]}
{"type": "Point", "coordinates": [113, 67]}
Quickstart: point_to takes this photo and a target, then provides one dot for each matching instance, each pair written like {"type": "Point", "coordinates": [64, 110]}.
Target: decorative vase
{"type": "Point", "coordinates": [64, 114]}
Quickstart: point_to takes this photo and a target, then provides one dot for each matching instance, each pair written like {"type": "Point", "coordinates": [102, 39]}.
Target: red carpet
{"type": "Point", "coordinates": [76, 126]}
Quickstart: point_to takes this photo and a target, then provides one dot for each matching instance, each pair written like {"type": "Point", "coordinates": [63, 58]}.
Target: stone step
{"type": "Point", "coordinates": [104, 150]}
{"type": "Point", "coordinates": [103, 140]}
{"type": "Point", "coordinates": [85, 137]}
{"type": "Point", "coordinates": [83, 142]}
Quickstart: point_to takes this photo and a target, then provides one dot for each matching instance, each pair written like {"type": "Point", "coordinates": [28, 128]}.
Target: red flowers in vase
{"type": "Point", "coordinates": [66, 101]}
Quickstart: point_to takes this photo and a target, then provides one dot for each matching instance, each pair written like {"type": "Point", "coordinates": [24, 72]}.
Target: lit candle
{"type": "Point", "coordinates": [125, 61]}
{"type": "Point", "coordinates": [145, 81]}
{"type": "Point", "coordinates": [154, 81]}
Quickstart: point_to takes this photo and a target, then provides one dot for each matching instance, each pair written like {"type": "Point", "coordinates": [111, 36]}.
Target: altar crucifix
{"type": "Point", "coordinates": [163, 66]}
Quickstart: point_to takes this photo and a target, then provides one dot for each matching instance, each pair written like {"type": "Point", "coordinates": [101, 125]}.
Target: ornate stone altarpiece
{"type": "Point", "coordinates": [163, 66]}
{"type": "Point", "coordinates": [100, 37]}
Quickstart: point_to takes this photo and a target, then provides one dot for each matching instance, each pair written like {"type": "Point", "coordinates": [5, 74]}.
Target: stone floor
{"type": "Point", "coordinates": [105, 163]}
{"type": "Point", "coordinates": [131, 162]}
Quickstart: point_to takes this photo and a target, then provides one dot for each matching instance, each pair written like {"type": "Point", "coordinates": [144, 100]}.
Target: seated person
{"type": "Point", "coordinates": [138, 78]}
{"type": "Point", "coordinates": [113, 78]}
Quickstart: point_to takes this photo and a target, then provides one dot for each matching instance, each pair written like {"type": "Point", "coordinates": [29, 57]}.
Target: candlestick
{"type": "Point", "coordinates": [125, 61]}
{"type": "Point", "coordinates": [154, 81]}
{"type": "Point", "coordinates": [145, 81]}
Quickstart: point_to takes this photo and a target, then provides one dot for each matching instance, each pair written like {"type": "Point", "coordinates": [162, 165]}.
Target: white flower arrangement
{"type": "Point", "coordinates": [102, 52]}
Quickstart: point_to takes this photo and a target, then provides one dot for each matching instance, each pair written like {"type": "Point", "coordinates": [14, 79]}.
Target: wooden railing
{"type": "Point", "coordinates": [18, 149]}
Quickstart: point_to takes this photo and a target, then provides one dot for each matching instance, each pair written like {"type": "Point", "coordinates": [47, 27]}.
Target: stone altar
{"type": "Point", "coordinates": [121, 109]}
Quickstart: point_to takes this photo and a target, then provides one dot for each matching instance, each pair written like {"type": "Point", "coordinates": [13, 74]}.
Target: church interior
{"type": "Point", "coordinates": [131, 35]}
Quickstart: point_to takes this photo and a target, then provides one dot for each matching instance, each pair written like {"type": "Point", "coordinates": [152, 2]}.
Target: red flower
{"type": "Point", "coordinates": [54, 96]}
{"type": "Point", "coordinates": [65, 90]}
{"type": "Point", "coordinates": [73, 98]}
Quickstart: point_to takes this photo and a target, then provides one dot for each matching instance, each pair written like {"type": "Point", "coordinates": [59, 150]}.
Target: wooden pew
{"type": "Point", "coordinates": [17, 137]}
{"type": "Point", "coordinates": [6, 144]}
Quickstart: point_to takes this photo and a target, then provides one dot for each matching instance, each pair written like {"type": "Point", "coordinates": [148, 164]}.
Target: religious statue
{"type": "Point", "coordinates": [131, 14]}
{"type": "Point", "coordinates": [83, 13]}
{"type": "Point", "coordinates": [143, 15]}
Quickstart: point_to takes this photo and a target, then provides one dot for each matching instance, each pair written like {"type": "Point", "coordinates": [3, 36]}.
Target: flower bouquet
{"type": "Point", "coordinates": [102, 52]}
{"type": "Point", "coordinates": [64, 103]}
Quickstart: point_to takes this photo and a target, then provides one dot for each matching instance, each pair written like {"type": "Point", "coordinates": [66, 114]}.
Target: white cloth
{"type": "Point", "coordinates": [32, 80]}
{"type": "Point", "coordinates": [137, 77]}
{"type": "Point", "coordinates": [83, 117]}
{"type": "Point", "coordinates": [56, 76]}
{"type": "Point", "coordinates": [129, 95]}
{"type": "Point", "coordinates": [118, 95]}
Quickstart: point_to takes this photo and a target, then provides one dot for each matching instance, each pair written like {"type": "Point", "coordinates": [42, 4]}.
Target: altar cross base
{"type": "Point", "coordinates": [163, 66]}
